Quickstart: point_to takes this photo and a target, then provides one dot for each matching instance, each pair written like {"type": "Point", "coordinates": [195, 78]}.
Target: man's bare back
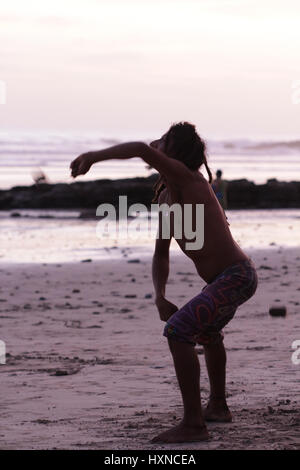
{"type": "Point", "coordinates": [220, 249]}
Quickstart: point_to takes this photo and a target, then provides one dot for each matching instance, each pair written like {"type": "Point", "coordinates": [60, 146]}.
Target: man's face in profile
{"type": "Point", "coordinates": [159, 144]}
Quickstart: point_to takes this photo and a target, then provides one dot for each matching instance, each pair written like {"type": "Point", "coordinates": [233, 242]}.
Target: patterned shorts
{"type": "Point", "coordinates": [201, 320]}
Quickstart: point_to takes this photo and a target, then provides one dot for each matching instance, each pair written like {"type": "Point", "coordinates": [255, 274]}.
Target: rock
{"type": "Point", "coordinates": [86, 260]}
{"type": "Point", "coordinates": [130, 296]}
{"type": "Point", "coordinates": [86, 196]}
{"type": "Point", "coordinates": [278, 311]}
{"type": "Point", "coordinates": [59, 373]}
{"type": "Point", "coordinates": [148, 296]}
{"type": "Point", "coordinates": [88, 214]}
{"type": "Point", "coordinates": [62, 372]}
{"type": "Point", "coordinates": [134, 261]}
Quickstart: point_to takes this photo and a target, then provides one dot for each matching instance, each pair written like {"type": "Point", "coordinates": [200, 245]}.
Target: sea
{"type": "Point", "coordinates": [23, 154]}
{"type": "Point", "coordinates": [55, 236]}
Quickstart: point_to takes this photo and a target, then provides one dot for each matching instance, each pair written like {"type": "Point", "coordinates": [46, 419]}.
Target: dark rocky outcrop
{"type": "Point", "coordinates": [242, 194]}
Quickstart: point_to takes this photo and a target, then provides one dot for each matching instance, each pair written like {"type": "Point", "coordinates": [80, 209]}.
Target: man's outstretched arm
{"type": "Point", "coordinates": [173, 169]}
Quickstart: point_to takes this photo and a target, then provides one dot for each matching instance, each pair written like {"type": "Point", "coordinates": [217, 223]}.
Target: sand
{"type": "Point", "coordinates": [88, 368]}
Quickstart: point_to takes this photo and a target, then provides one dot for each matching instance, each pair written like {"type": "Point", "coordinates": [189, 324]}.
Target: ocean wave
{"type": "Point", "coordinates": [53, 144]}
{"type": "Point", "coordinates": [242, 147]}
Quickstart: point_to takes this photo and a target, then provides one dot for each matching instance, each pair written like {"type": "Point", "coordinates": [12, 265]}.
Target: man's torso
{"type": "Point", "coordinates": [219, 250]}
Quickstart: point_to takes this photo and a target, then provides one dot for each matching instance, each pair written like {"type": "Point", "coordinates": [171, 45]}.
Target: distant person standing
{"type": "Point", "coordinates": [220, 188]}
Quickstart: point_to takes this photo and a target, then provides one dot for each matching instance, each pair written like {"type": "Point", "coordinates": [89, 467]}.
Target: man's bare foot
{"type": "Point", "coordinates": [217, 411]}
{"type": "Point", "coordinates": [182, 433]}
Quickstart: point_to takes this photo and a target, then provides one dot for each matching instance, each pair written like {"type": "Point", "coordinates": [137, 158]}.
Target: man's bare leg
{"type": "Point", "coordinates": [192, 427]}
{"type": "Point", "coordinates": [217, 409]}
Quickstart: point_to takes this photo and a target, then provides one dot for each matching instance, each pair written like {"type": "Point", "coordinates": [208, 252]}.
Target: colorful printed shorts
{"type": "Point", "coordinates": [201, 320]}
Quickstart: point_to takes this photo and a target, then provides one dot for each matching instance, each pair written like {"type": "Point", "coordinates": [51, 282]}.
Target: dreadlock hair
{"type": "Point", "coordinates": [184, 144]}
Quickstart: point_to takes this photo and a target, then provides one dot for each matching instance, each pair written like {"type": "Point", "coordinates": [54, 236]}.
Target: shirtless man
{"type": "Point", "coordinates": [229, 274]}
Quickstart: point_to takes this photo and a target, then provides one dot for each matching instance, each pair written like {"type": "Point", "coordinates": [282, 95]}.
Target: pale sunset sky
{"type": "Point", "coordinates": [132, 67]}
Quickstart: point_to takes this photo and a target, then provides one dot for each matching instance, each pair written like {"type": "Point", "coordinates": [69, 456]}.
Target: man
{"type": "Point", "coordinates": [230, 275]}
{"type": "Point", "coordinates": [220, 188]}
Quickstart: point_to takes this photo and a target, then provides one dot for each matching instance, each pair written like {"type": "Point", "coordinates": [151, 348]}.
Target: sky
{"type": "Point", "coordinates": [133, 67]}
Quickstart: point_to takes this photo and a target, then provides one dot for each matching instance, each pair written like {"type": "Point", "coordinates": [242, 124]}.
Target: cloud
{"type": "Point", "coordinates": [62, 21]}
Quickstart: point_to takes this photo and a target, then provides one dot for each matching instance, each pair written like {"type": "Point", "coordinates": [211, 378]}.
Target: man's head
{"type": "Point", "coordinates": [219, 173]}
{"type": "Point", "coordinates": [183, 143]}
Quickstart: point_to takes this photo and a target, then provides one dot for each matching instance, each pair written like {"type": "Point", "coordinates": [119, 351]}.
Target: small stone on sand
{"type": "Point", "coordinates": [279, 311]}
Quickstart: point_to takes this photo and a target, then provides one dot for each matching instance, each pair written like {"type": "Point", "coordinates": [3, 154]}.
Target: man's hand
{"type": "Point", "coordinates": [82, 164]}
{"type": "Point", "coordinates": [165, 308]}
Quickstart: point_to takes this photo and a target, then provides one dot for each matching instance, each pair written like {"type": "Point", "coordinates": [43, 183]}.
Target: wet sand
{"type": "Point", "coordinates": [87, 366]}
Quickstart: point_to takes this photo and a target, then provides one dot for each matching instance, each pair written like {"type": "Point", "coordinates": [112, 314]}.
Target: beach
{"type": "Point", "coordinates": [87, 366]}
{"type": "Point", "coordinates": [109, 110]}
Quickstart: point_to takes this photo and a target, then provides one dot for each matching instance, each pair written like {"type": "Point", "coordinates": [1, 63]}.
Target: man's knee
{"type": "Point", "coordinates": [211, 340]}
{"type": "Point", "coordinates": [215, 345]}
{"type": "Point", "coordinates": [179, 346]}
